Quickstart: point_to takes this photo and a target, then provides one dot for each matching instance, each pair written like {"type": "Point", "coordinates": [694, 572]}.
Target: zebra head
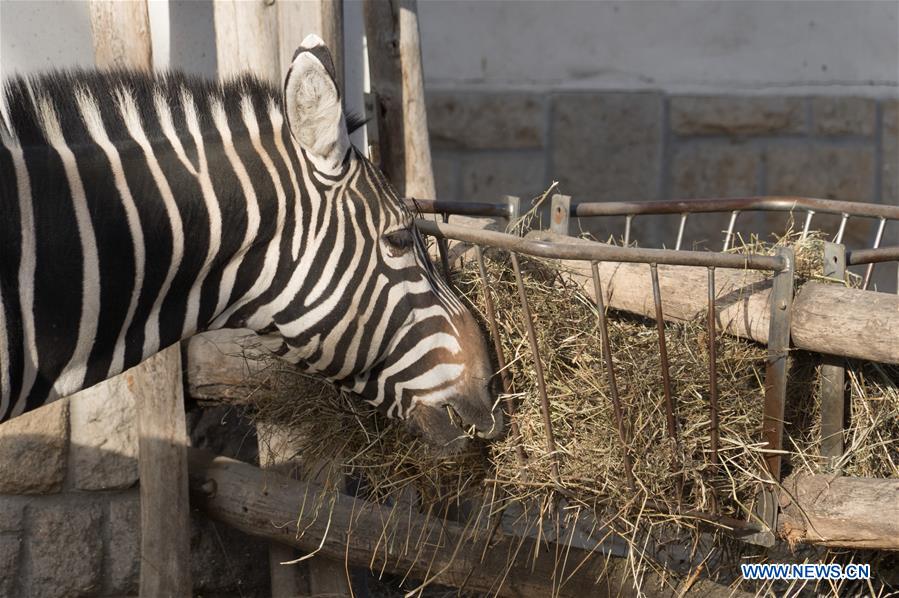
{"type": "Point", "coordinates": [363, 306]}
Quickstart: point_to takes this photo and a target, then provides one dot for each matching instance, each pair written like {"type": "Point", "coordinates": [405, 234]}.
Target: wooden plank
{"type": "Point", "coordinates": [164, 508]}
{"type": "Point", "coordinates": [394, 56]}
{"type": "Point", "coordinates": [267, 505]}
{"type": "Point", "coordinates": [841, 511]}
{"type": "Point", "coordinates": [121, 34]}
{"type": "Point", "coordinates": [246, 36]}
{"type": "Point", "coordinates": [827, 318]}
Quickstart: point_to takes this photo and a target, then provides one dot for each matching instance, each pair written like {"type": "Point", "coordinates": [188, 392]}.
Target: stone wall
{"type": "Point", "coordinates": [604, 146]}
{"type": "Point", "coordinates": [70, 504]}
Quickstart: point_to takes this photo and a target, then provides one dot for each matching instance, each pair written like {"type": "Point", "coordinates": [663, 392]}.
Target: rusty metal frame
{"type": "Point", "coordinates": [781, 265]}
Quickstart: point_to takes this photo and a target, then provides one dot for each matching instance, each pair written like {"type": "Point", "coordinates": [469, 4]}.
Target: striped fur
{"type": "Point", "coordinates": [137, 210]}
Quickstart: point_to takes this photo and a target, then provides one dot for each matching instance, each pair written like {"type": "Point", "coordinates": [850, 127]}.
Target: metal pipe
{"type": "Point", "coordinates": [627, 229]}
{"type": "Point", "coordinates": [663, 352]}
{"type": "Point", "coordinates": [877, 238]}
{"type": "Point", "coordinates": [674, 206]}
{"type": "Point", "coordinates": [461, 208]}
{"type": "Point", "coordinates": [598, 251]}
{"type": "Point", "coordinates": [839, 238]}
{"type": "Point", "coordinates": [538, 369]}
{"type": "Point", "coordinates": [872, 256]}
{"type": "Point", "coordinates": [508, 404]}
{"type": "Point", "coordinates": [713, 369]}
{"type": "Point", "coordinates": [742, 204]}
{"type": "Point", "coordinates": [730, 229]}
{"type": "Point", "coordinates": [444, 255]}
{"type": "Point", "coordinates": [807, 225]}
{"type": "Point", "coordinates": [680, 231]}
{"type": "Point", "coordinates": [610, 372]}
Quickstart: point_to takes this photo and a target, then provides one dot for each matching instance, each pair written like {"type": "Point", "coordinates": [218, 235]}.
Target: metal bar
{"type": "Point", "coordinates": [808, 223]}
{"type": "Point", "coordinates": [730, 229]}
{"type": "Point", "coordinates": [775, 392]}
{"type": "Point", "coordinates": [610, 372]}
{"type": "Point", "coordinates": [877, 238]}
{"type": "Point", "coordinates": [663, 352]}
{"type": "Point", "coordinates": [776, 363]}
{"type": "Point", "coordinates": [730, 204]}
{"type": "Point", "coordinates": [538, 368]}
{"type": "Point", "coordinates": [444, 254]}
{"type": "Point", "coordinates": [713, 371]}
{"type": "Point", "coordinates": [680, 231]}
{"type": "Point", "coordinates": [506, 380]}
{"type": "Point", "coordinates": [460, 208]}
{"type": "Point", "coordinates": [513, 208]}
{"type": "Point", "coordinates": [833, 372]}
{"type": "Point", "coordinates": [842, 229]}
{"type": "Point", "coordinates": [598, 251]}
{"type": "Point", "coordinates": [674, 206]}
{"type": "Point", "coordinates": [628, 220]}
{"type": "Point", "coordinates": [855, 257]}
{"type": "Point", "coordinates": [560, 222]}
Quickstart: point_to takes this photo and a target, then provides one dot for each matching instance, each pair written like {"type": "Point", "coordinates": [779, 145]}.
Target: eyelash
{"type": "Point", "coordinates": [399, 242]}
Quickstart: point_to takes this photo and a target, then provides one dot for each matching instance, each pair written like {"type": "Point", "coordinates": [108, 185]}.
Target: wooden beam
{"type": "Point", "coordinates": [164, 505]}
{"type": "Point", "coordinates": [121, 35]}
{"type": "Point", "coordinates": [845, 512]}
{"type": "Point", "coordinates": [397, 81]}
{"type": "Point", "coordinates": [356, 532]}
{"type": "Point", "coordinates": [827, 318]}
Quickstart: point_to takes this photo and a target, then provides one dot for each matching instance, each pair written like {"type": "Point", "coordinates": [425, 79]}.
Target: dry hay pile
{"type": "Point", "coordinates": [670, 477]}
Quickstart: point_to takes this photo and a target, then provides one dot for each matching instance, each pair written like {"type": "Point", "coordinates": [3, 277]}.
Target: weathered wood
{"type": "Point", "coordinates": [164, 508]}
{"type": "Point", "coordinates": [344, 529]}
{"type": "Point", "coordinates": [826, 318]}
{"type": "Point", "coordinates": [394, 56]}
{"type": "Point", "coordinates": [246, 36]}
{"type": "Point", "coordinates": [841, 511]}
{"type": "Point", "coordinates": [121, 34]}
{"type": "Point", "coordinates": [324, 18]}
{"type": "Point", "coordinates": [332, 33]}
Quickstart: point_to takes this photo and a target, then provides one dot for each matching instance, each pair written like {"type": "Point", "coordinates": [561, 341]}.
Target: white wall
{"type": "Point", "coordinates": [743, 46]}
{"type": "Point", "coordinates": [720, 46]}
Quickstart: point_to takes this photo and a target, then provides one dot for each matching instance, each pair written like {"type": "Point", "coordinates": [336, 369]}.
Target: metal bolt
{"type": "Point", "coordinates": [783, 304]}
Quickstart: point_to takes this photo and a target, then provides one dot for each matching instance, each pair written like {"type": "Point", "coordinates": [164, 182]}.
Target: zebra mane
{"type": "Point", "coordinates": [59, 88]}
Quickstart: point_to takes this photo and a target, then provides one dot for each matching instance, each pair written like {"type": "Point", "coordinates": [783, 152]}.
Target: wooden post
{"type": "Point", "coordinates": [261, 38]}
{"type": "Point", "coordinates": [394, 56]}
{"type": "Point", "coordinates": [164, 502]}
{"type": "Point", "coordinates": [121, 34]}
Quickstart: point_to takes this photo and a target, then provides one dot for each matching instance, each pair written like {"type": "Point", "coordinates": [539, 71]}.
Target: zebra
{"type": "Point", "coordinates": [139, 209]}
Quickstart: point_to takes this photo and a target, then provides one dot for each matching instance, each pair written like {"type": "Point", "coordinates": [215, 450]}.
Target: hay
{"type": "Point", "coordinates": [671, 478]}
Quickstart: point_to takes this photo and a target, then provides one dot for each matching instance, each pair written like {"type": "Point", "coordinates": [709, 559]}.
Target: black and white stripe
{"type": "Point", "coordinates": [137, 210]}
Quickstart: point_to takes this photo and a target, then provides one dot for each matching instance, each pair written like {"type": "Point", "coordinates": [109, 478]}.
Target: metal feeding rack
{"type": "Point", "coordinates": [780, 266]}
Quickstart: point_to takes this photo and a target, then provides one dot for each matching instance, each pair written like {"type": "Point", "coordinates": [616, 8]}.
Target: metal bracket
{"type": "Point", "coordinates": [775, 394]}
{"type": "Point", "coordinates": [560, 216]}
{"type": "Point", "coordinates": [833, 372]}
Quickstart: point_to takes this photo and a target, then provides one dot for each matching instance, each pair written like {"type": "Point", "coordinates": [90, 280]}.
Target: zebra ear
{"type": "Point", "coordinates": [312, 102]}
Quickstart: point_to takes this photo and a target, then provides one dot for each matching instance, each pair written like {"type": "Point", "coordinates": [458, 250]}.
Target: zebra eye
{"type": "Point", "coordinates": [399, 242]}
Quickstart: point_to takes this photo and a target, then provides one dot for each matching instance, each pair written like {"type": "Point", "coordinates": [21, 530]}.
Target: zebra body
{"type": "Point", "coordinates": [138, 209]}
